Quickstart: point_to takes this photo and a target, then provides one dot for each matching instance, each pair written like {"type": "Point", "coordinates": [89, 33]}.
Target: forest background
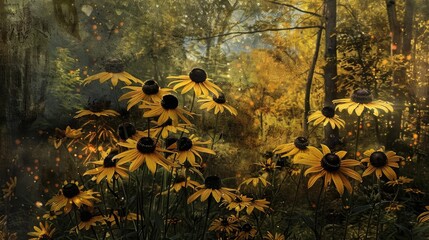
{"type": "Point", "coordinates": [278, 61]}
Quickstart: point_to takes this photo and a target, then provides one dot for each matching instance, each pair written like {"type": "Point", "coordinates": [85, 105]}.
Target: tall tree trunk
{"type": "Point", "coordinates": [330, 69]}
{"type": "Point", "coordinates": [23, 73]}
{"type": "Point", "coordinates": [400, 44]}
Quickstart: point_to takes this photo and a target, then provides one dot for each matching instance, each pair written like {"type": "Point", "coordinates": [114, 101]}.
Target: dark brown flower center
{"type": "Point", "coordinates": [362, 96]}
{"type": "Point", "coordinates": [180, 179]}
{"type": "Point", "coordinates": [122, 213]}
{"type": "Point", "coordinates": [85, 216]}
{"type": "Point", "coordinates": [97, 105]}
{"type": "Point", "coordinates": [328, 112]}
{"type": "Point", "coordinates": [213, 182]}
{"type": "Point", "coordinates": [169, 102]}
{"type": "Point", "coordinates": [126, 130]}
{"type": "Point", "coordinates": [198, 75]}
{"type": "Point", "coordinates": [184, 144]}
{"type": "Point", "coordinates": [301, 143]}
{"type": "Point", "coordinates": [45, 237]}
{"type": "Point", "coordinates": [281, 162]}
{"type": "Point", "coordinates": [378, 159]}
{"type": "Point", "coordinates": [150, 87]}
{"type": "Point", "coordinates": [219, 99]}
{"type": "Point", "coordinates": [168, 123]}
{"type": "Point", "coordinates": [246, 227]}
{"type": "Point", "coordinates": [109, 161]}
{"type": "Point", "coordinates": [114, 65]}
{"type": "Point", "coordinates": [331, 162]}
{"type": "Point", "coordinates": [70, 190]}
{"type": "Point", "coordinates": [224, 222]}
{"type": "Point", "coordinates": [146, 145]}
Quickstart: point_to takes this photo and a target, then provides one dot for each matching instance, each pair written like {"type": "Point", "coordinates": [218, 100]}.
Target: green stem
{"type": "Point", "coordinates": [316, 231]}
{"type": "Point", "coordinates": [286, 231]}
{"type": "Point", "coordinates": [207, 217]}
{"type": "Point", "coordinates": [193, 101]}
{"type": "Point", "coordinates": [312, 130]}
{"type": "Point", "coordinates": [168, 203]}
{"type": "Point", "coordinates": [215, 131]}
{"type": "Point", "coordinates": [369, 221]}
{"type": "Point", "coordinates": [258, 225]}
{"type": "Point", "coordinates": [351, 194]}
{"type": "Point", "coordinates": [379, 209]}
{"type": "Point", "coordinates": [95, 233]}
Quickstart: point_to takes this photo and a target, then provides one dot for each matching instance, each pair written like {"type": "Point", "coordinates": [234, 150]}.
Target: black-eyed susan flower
{"type": "Point", "coordinates": [114, 70]}
{"type": "Point", "coordinates": [212, 187]}
{"type": "Point", "coordinates": [196, 80]}
{"type": "Point", "coordinates": [128, 130]}
{"type": "Point", "coordinates": [167, 108]}
{"type": "Point", "coordinates": [239, 203]}
{"type": "Point", "coordinates": [259, 204]}
{"type": "Point", "coordinates": [299, 146]}
{"type": "Point", "coordinates": [51, 215]}
{"type": "Point", "coordinates": [246, 232]}
{"type": "Point", "coordinates": [107, 167]}
{"type": "Point", "coordinates": [98, 108]}
{"type": "Point", "coordinates": [69, 133]}
{"type": "Point", "coordinates": [360, 100]}
{"type": "Point", "coordinates": [393, 207]}
{"type": "Point", "coordinates": [255, 181]}
{"type": "Point", "coordinates": [183, 182]}
{"type": "Point", "coordinates": [187, 149]}
{"type": "Point", "coordinates": [424, 216]}
{"type": "Point", "coordinates": [166, 128]}
{"type": "Point", "coordinates": [218, 103]}
{"type": "Point", "coordinates": [276, 236]}
{"type": "Point", "coordinates": [71, 194]}
{"type": "Point", "coordinates": [145, 150]}
{"type": "Point", "coordinates": [88, 219]}
{"type": "Point", "coordinates": [400, 181]}
{"type": "Point", "coordinates": [326, 116]}
{"type": "Point", "coordinates": [413, 190]}
{"type": "Point", "coordinates": [331, 167]}
{"type": "Point", "coordinates": [121, 215]}
{"type": "Point", "coordinates": [224, 225]}
{"type": "Point", "coordinates": [150, 91]}
{"type": "Point", "coordinates": [381, 163]}
{"type": "Point", "coordinates": [44, 231]}
{"type": "Point", "coordinates": [268, 165]}
{"type": "Point", "coordinates": [9, 189]}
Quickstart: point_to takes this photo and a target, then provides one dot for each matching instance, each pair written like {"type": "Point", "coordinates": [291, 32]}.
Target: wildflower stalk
{"type": "Point", "coordinates": [258, 225]}
{"type": "Point", "coordinates": [207, 217]}
{"type": "Point", "coordinates": [152, 195]}
{"type": "Point", "coordinates": [317, 234]}
{"type": "Point", "coordinates": [76, 222]}
{"type": "Point", "coordinates": [379, 209]}
{"type": "Point", "coordinates": [94, 232]}
{"type": "Point", "coordinates": [193, 101]}
{"type": "Point", "coordinates": [168, 202]}
{"type": "Point", "coordinates": [351, 194]}
{"type": "Point", "coordinates": [286, 231]}
{"type": "Point", "coordinates": [76, 230]}
{"type": "Point", "coordinates": [312, 130]}
{"type": "Point", "coordinates": [215, 131]}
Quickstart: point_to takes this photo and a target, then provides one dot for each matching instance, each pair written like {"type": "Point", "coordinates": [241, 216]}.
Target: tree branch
{"type": "Point", "coordinates": [258, 31]}
{"type": "Point", "coordinates": [293, 7]}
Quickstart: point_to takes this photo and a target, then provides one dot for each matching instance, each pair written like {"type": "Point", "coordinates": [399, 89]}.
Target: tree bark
{"type": "Point", "coordinates": [330, 69]}
{"type": "Point", "coordinates": [23, 73]}
{"type": "Point", "coordinates": [400, 44]}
